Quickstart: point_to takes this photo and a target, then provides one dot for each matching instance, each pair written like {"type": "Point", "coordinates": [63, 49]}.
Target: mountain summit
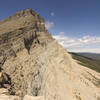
{"type": "Point", "coordinates": [22, 13]}
{"type": "Point", "coordinates": [32, 62]}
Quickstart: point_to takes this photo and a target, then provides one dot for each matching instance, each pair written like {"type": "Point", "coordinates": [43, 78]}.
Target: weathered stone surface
{"type": "Point", "coordinates": [3, 91]}
{"type": "Point", "coordinates": [6, 97]}
{"type": "Point", "coordinates": [27, 97]}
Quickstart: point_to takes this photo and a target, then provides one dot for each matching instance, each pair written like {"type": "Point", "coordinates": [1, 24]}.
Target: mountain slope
{"type": "Point", "coordinates": [86, 61]}
{"type": "Point", "coordinates": [38, 66]}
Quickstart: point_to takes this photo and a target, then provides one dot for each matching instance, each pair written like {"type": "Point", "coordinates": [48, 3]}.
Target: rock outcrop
{"type": "Point", "coordinates": [40, 68]}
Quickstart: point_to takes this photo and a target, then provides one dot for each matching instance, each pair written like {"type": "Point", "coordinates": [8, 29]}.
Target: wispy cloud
{"type": "Point", "coordinates": [52, 14]}
{"type": "Point", "coordinates": [61, 33]}
{"type": "Point", "coordinates": [49, 25]}
{"type": "Point", "coordinates": [84, 44]}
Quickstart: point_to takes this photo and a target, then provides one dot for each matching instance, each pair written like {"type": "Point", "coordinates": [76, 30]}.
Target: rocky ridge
{"type": "Point", "coordinates": [38, 67]}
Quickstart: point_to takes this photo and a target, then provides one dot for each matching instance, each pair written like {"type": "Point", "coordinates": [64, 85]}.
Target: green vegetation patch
{"type": "Point", "coordinates": [87, 62]}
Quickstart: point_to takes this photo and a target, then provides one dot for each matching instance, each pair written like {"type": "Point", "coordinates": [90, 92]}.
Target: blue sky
{"type": "Point", "coordinates": [73, 19]}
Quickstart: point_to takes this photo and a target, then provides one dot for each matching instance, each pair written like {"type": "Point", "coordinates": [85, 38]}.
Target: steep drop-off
{"type": "Point", "coordinates": [38, 66]}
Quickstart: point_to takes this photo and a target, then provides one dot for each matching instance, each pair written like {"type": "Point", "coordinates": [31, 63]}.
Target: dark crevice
{"type": "Point", "coordinates": [28, 41]}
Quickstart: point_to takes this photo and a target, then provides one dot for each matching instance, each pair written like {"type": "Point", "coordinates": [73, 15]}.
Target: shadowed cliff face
{"type": "Point", "coordinates": [28, 41]}
{"type": "Point", "coordinates": [38, 66]}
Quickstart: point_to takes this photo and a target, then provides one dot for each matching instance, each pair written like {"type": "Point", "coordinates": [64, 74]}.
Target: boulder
{"type": "Point", "coordinates": [3, 91]}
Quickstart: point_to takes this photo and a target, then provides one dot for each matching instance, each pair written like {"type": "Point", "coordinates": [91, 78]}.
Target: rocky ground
{"type": "Point", "coordinates": [33, 66]}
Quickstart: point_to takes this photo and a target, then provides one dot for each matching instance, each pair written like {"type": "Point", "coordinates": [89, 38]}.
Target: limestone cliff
{"type": "Point", "coordinates": [38, 66]}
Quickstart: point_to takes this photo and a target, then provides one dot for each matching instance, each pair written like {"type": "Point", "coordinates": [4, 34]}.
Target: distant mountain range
{"type": "Point", "coordinates": [91, 55]}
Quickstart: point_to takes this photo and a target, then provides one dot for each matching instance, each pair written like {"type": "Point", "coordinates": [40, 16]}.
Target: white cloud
{"type": "Point", "coordinates": [84, 44]}
{"type": "Point", "coordinates": [49, 25]}
{"type": "Point", "coordinates": [61, 33]}
{"type": "Point", "coordinates": [52, 14]}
